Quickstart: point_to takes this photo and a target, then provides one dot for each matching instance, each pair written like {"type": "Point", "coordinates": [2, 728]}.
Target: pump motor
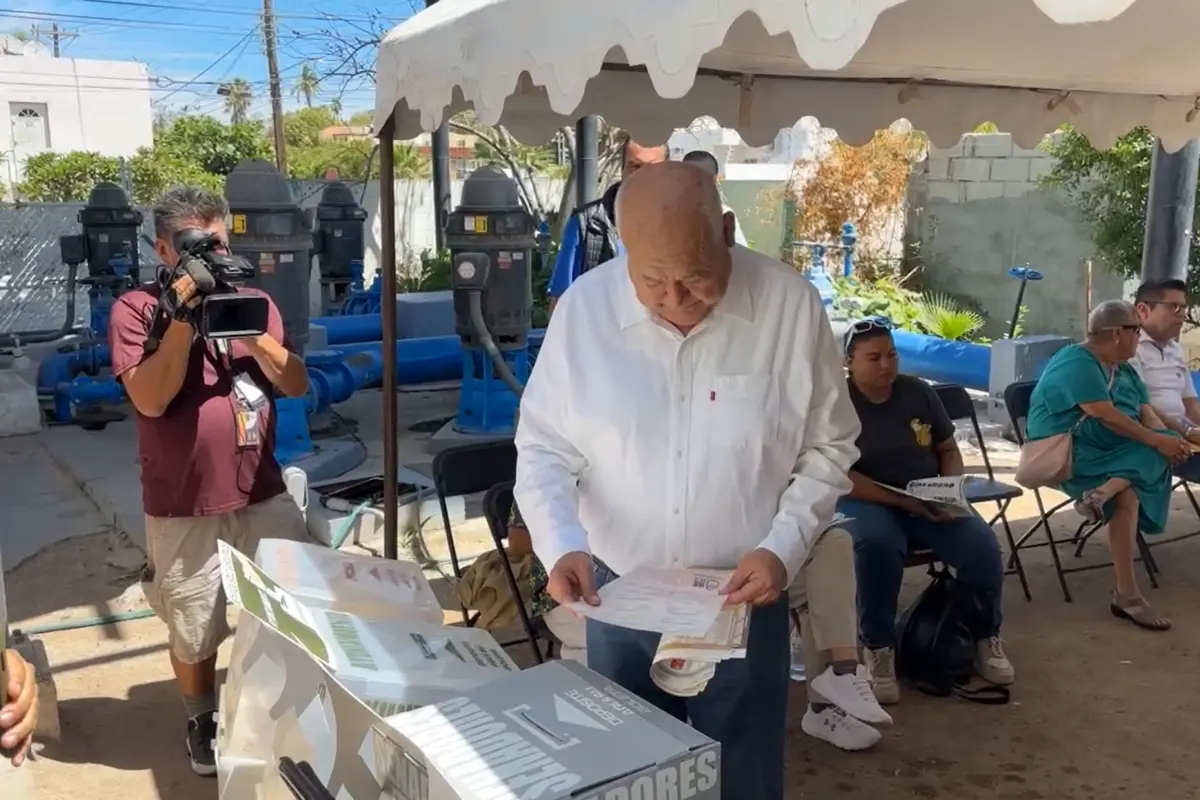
{"type": "Point", "coordinates": [270, 231]}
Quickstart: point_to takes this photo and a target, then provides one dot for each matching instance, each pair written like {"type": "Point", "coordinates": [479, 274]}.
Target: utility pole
{"type": "Point", "coordinates": [276, 92]}
{"type": "Point", "coordinates": [57, 35]}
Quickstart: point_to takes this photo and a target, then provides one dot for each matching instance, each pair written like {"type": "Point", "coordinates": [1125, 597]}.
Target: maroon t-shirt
{"type": "Point", "coordinates": [191, 463]}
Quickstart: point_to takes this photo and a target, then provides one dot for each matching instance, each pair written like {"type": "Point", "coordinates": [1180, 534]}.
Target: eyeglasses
{"type": "Point", "coordinates": [876, 323]}
{"type": "Point", "coordinates": [1174, 308]}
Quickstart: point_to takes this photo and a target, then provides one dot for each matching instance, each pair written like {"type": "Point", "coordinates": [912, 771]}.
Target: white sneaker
{"type": "Point", "coordinates": [852, 694]}
{"type": "Point", "coordinates": [992, 664]}
{"type": "Point", "coordinates": [881, 666]}
{"type": "Point", "coordinates": [839, 729]}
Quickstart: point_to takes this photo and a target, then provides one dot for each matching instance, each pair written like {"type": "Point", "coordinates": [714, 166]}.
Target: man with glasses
{"type": "Point", "coordinates": [1159, 360]}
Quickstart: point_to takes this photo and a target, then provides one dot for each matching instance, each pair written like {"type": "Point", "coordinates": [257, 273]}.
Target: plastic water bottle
{"type": "Point", "coordinates": [797, 672]}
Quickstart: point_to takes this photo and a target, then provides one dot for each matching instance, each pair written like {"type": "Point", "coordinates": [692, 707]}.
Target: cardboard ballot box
{"type": "Point", "coordinates": [400, 709]}
{"type": "Point", "coordinates": [552, 732]}
{"type": "Point", "coordinates": [287, 653]}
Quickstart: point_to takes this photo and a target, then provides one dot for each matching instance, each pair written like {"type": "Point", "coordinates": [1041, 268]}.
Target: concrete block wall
{"type": "Point", "coordinates": [977, 209]}
{"type": "Point", "coordinates": [984, 166]}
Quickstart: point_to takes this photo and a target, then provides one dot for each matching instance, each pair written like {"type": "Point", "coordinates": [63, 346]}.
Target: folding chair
{"type": "Point", "coordinates": [959, 406]}
{"type": "Point", "coordinates": [1016, 402]}
{"type": "Point", "coordinates": [497, 508]}
{"type": "Point", "coordinates": [470, 469]}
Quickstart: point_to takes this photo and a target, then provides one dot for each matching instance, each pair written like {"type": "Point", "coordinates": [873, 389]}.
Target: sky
{"type": "Point", "coordinates": [190, 47]}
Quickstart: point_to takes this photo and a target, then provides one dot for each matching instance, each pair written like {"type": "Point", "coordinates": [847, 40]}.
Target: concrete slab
{"type": "Point", "coordinates": [42, 503]}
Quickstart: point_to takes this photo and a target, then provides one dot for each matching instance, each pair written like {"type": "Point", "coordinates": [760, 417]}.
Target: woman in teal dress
{"type": "Point", "coordinates": [1122, 451]}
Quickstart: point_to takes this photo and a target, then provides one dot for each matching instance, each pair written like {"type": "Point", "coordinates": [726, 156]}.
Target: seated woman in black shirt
{"type": "Point", "coordinates": [907, 435]}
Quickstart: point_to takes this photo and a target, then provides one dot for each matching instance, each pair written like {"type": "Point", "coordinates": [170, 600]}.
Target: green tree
{"type": "Point", "coordinates": [348, 157]}
{"type": "Point", "coordinates": [361, 119]}
{"type": "Point", "coordinates": [155, 170]}
{"type": "Point", "coordinates": [306, 84]}
{"type": "Point", "coordinates": [302, 128]}
{"type": "Point", "coordinates": [1110, 189]}
{"type": "Point", "coordinates": [238, 96]}
{"type": "Point", "coordinates": [66, 177]}
{"type": "Point", "coordinates": [335, 106]}
{"type": "Point", "coordinates": [212, 144]}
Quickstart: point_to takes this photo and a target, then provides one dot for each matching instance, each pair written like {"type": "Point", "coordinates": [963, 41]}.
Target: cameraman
{"type": "Point", "coordinates": [206, 440]}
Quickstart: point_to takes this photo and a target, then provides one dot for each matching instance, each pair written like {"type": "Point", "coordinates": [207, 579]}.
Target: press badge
{"type": "Point", "coordinates": [250, 401]}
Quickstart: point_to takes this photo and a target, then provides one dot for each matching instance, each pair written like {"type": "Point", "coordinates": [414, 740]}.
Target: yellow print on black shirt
{"type": "Point", "coordinates": [922, 432]}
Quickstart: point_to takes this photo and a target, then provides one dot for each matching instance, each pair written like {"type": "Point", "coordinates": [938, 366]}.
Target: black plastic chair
{"type": "Point", "coordinates": [1017, 397]}
{"type": "Point", "coordinates": [960, 406]}
{"type": "Point", "coordinates": [465, 470]}
{"type": "Point", "coordinates": [497, 510]}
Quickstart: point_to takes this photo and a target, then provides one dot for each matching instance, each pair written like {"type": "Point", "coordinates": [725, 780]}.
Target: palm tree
{"type": "Point", "coordinates": [306, 84]}
{"type": "Point", "coordinates": [238, 96]}
{"type": "Point", "coordinates": [410, 162]}
{"type": "Point", "coordinates": [335, 108]}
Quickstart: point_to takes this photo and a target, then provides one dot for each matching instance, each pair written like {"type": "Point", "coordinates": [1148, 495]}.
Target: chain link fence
{"type": "Point", "coordinates": [33, 279]}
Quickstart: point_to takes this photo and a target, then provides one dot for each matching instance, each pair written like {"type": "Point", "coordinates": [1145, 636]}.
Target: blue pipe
{"type": "Point", "coordinates": [965, 363]}
{"type": "Point", "coordinates": [63, 367]}
{"type": "Point", "coordinates": [333, 374]}
{"type": "Point", "coordinates": [351, 328]}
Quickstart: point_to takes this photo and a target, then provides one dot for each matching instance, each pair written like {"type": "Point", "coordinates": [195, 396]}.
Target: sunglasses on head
{"type": "Point", "coordinates": [877, 323]}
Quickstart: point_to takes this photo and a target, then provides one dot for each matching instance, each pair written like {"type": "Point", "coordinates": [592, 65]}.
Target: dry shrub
{"type": "Point", "coordinates": [864, 185]}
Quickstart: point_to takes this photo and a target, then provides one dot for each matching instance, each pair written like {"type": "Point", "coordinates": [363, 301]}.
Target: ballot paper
{"type": "Point", "coordinates": [676, 602]}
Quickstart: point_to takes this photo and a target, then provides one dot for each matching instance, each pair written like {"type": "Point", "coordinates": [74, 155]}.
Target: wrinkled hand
{"type": "Point", "coordinates": [19, 716]}
{"type": "Point", "coordinates": [573, 578]}
{"type": "Point", "coordinates": [1173, 448]}
{"type": "Point", "coordinates": [760, 578]}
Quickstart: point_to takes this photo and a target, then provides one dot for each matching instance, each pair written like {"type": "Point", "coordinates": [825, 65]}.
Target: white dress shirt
{"type": "Point", "coordinates": [648, 448]}
{"type": "Point", "coordinates": [1165, 372]}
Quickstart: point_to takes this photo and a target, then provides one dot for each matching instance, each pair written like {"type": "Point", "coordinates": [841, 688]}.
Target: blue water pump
{"type": "Point", "coordinates": [491, 239]}
{"type": "Point", "coordinates": [109, 245]}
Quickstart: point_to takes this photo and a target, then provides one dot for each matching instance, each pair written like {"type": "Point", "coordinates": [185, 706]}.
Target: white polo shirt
{"type": "Point", "coordinates": [1165, 372]}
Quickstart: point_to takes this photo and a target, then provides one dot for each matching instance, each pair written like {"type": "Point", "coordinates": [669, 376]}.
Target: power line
{"type": "Point", "coordinates": [226, 10]}
{"type": "Point", "coordinates": [243, 41]}
{"type": "Point", "coordinates": [48, 16]}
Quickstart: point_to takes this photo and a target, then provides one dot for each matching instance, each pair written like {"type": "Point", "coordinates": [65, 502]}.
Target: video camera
{"type": "Point", "coordinates": [223, 312]}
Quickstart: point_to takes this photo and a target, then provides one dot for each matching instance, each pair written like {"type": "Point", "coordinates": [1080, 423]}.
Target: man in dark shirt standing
{"type": "Point", "coordinates": [206, 439]}
{"type": "Point", "coordinates": [590, 236]}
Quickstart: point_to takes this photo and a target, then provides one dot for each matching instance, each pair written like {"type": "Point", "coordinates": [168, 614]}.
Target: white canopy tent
{"type": "Point", "coordinates": [650, 66]}
{"type": "Point", "coordinates": [758, 65]}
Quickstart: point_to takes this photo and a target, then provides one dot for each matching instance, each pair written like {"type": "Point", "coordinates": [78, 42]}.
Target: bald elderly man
{"type": "Point", "coordinates": [688, 409]}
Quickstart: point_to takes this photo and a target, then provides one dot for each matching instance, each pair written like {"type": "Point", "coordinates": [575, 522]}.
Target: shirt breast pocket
{"type": "Point", "coordinates": [743, 410]}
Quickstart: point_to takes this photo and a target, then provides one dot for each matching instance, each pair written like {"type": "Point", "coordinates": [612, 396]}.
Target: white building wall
{"type": "Point", "coordinates": [66, 104]}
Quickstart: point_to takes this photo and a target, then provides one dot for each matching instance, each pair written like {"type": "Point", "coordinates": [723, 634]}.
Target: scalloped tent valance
{"type": "Point", "coordinates": [650, 66]}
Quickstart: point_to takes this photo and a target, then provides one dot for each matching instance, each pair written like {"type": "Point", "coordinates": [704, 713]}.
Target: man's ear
{"type": "Point", "coordinates": [729, 228]}
{"type": "Point", "coordinates": [164, 251]}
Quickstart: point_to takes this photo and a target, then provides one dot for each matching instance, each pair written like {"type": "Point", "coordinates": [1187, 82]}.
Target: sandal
{"type": "Point", "coordinates": [1090, 506]}
{"type": "Point", "coordinates": [1138, 612]}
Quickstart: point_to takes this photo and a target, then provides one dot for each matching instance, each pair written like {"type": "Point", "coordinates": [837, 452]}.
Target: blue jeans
{"type": "Point", "coordinates": [744, 706]}
{"type": "Point", "coordinates": [883, 537]}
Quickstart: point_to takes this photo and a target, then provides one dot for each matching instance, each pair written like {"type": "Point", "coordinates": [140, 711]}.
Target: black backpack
{"type": "Point", "coordinates": [935, 642]}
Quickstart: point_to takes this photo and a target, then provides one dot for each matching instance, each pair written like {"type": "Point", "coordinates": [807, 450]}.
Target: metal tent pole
{"type": "Point", "coordinates": [587, 157]}
{"type": "Point", "coordinates": [1170, 211]}
{"type": "Point", "coordinates": [387, 266]}
{"type": "Point", "coordinates": [439, 152]}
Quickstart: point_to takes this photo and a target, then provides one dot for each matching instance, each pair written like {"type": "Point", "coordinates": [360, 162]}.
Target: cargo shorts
{"type": "Point", "coordinates": [182, 578]}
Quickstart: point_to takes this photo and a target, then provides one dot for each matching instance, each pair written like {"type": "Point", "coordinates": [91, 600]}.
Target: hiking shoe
{"type": "Point", "coordinates": [992, 664]}
{"type": "Point", "coordinates": [841, 730]}
{"type": "Point", "coordinates": [852, 694]}
{"type": "Point", "coordinates": [201, 740]}
{"type": "Point", "coordinates": [881, 666]}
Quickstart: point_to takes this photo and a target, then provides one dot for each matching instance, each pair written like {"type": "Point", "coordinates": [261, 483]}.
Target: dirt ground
{"type": "Point", "coordinates": [1098, 711]}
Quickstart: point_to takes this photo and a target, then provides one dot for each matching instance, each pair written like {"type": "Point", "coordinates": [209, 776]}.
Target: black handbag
{"type": "Point", "coordinates": [935, 642]}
